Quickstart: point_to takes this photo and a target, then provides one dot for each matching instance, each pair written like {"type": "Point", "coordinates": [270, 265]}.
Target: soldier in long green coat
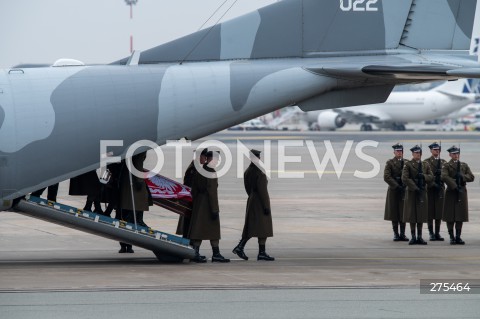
{"type": "Point", "coordinates": [416, 175]}
{"type": "Point", "coordinates": [456, 175]}
{"type": "Point", "coordinates": [258, 216]}
{"type": "Point", "coordinates": [436, 192]}
{"type": "Point", "coordinates": [137, 188]}
{"type": "Point", "coordinates": [205, 219]}
{"type": "Point", "coordinates": [183, 221]}
{"type": "Point", "coordinates": [392, 175]}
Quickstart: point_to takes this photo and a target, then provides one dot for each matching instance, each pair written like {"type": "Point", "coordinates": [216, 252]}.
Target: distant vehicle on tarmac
{"type": "Point", "coordinates": [475, 126]}
{"type": "Point", "coordinates": [252, 125]}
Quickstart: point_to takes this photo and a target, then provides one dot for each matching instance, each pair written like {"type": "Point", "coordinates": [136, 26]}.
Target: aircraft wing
{"type": "Point", "coordinates": [356, 115]}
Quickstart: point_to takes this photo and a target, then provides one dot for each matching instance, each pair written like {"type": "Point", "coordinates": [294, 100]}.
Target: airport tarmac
{"type": "Point", "coordinates": [335, 257]}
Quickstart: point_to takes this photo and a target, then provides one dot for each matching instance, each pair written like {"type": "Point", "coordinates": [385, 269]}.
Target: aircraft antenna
{"type": "Point", "coordinates": [209, 30]}
{"type": "Point", "coordinates": [214, 13]}
{"type": "Point", "coordinates": [131, 3]}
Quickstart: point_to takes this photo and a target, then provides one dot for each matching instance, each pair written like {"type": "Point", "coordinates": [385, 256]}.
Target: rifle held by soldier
{"type": "Point", "coordinates": [460, 182]}
{"type": "Point", "coordinates": [438, 179]}
{"type": "Point", "coordinates": [398, 179]}
{"type": "Point", "coordinates": [420, 182]}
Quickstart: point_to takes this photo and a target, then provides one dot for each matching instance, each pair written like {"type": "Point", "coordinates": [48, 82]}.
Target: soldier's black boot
{"type": "Point", "coordinates": [412, 241]}
{"type": "Point", "coordinates": [402, 232]}
{"type": "Point", "coordinates": [88, 206]}
{"type": "Point", "coordinates": [458, 240]}
{"type": "Point", "coordinates": [108, 210]}
{"type": "Point", "coordinates": [198, 258]}
{"type": "Point", "coordinates": [430, 231]}
{"type": "Point", "coordinates": [420, 240]}
{"type": "Point", "coordinates": [217, 257]}
{"type": "Point", "coordinates": [129, 249]}
{"type": "Point", "coordinates": [262, 255]}
{"type": "Point", "coordinates": [123, 248]}
{"type": "Point", "coordinates": [438, 222]}
{"type": "Point", "coordinates": [238, 250]}
{"type": "Point", "coordinates": [452, 238]}
{"type": "Point", "coordinates": [396, 236]}
{"type": "Point", "coordinates": [97, 207]}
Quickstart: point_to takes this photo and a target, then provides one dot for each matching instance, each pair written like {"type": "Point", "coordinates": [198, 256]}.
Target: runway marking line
{"type": "Point", "coordinates": [310, 172]}
{"type": "Point", "coordinates": [380, 258]}
{"type": "Point", "coordinates": [246, 138]}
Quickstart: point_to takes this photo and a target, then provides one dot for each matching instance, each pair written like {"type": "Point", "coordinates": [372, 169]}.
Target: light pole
{"type": "Point", "coordinates": [131, 3]}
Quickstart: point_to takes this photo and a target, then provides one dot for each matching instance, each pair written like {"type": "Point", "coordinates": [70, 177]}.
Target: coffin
{"type": "Point", "coordinates": [170, 194]}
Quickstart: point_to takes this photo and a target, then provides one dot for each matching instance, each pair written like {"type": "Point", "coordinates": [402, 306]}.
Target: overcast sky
{"type": "Point", "coordinates": [98, 31]}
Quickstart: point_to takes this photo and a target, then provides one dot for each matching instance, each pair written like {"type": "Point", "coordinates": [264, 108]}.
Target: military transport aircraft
{"type": "Point", "coordinates": [315, 54]}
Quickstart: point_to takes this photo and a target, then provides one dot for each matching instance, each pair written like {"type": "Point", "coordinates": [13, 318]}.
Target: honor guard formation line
{"type": "Point", "coordinates": [416, 194]}
{"type": "Point", "coordinates": [419, 192]}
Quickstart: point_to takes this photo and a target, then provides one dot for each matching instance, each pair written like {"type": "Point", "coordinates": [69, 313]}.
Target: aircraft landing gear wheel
{"type": "Point", "coordinates": [366, 127]}
{"type": "Point", "coordinates": [167, 258]}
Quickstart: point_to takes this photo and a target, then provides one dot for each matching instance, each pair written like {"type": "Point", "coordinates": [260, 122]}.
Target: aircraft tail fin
{"type": "Point", "coordinates": [306, 28]}
{"type": "Point", "coordinates": [460, 87]}
{"type": "Point", "coordinates": [440, 24]}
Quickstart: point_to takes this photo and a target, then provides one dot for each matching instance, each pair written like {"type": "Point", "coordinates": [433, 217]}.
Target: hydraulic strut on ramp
{"type": "Point", "coordinates": [166, 247]}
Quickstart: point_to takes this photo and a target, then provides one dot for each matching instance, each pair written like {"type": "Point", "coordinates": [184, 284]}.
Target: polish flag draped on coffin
{"type": "Point", "coordinates": [170, 194]}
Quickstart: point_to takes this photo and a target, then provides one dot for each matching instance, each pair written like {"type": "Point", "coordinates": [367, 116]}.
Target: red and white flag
{"type": "Point", "coordinates": [162, 187]}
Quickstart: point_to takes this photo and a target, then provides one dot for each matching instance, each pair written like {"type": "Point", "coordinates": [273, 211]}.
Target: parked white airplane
{"type": "Point", "coordinates": [400, 108]}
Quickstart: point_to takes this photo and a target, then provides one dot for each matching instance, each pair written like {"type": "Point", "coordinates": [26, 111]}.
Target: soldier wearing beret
{"type": "Point", "coordinates": [396, 192]}
{"type": "Point", "coordinates": [435, 192]}
{"type": "Point", "coordinates": [416, 175]}
{"type": "Point", "coordinates": [258, 216]}
{"type": "Point", "coordinates": [456, 175]}
{"type": "Point", "coordinates": [205, 219]}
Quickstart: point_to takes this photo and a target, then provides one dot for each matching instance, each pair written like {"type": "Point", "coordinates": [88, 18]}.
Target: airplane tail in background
{"type": "Point", "coordinates": [459, 87]}
{"type": "Point", "coordinates": [309, 28]}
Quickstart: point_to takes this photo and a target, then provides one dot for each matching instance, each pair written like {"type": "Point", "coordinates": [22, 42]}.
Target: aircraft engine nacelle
{"type": "Point", "coordinates": [330, 120]}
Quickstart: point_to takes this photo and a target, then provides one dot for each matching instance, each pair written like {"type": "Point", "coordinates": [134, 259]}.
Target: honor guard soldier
{"type": "Point", "coordinates": [205, 219]}
{"type": "Point", "coordinates": [134, 198]}
{"type": "Point", "coordinates": [455, 211]}
{"type": "Point", "coordinates": [396, 192]}
{"type": "Point", "coordinates": [416, 175]}
{"type": "Point", "coordinates": [183, 221]}
{"type": "Point", "coordinates": [258, 217]}
{"type": "Point", "coordinates": [436, 192]}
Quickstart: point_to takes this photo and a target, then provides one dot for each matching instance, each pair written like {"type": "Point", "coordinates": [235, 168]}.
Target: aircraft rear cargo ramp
{"type": "Point", "coordinates": [166, 247]}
